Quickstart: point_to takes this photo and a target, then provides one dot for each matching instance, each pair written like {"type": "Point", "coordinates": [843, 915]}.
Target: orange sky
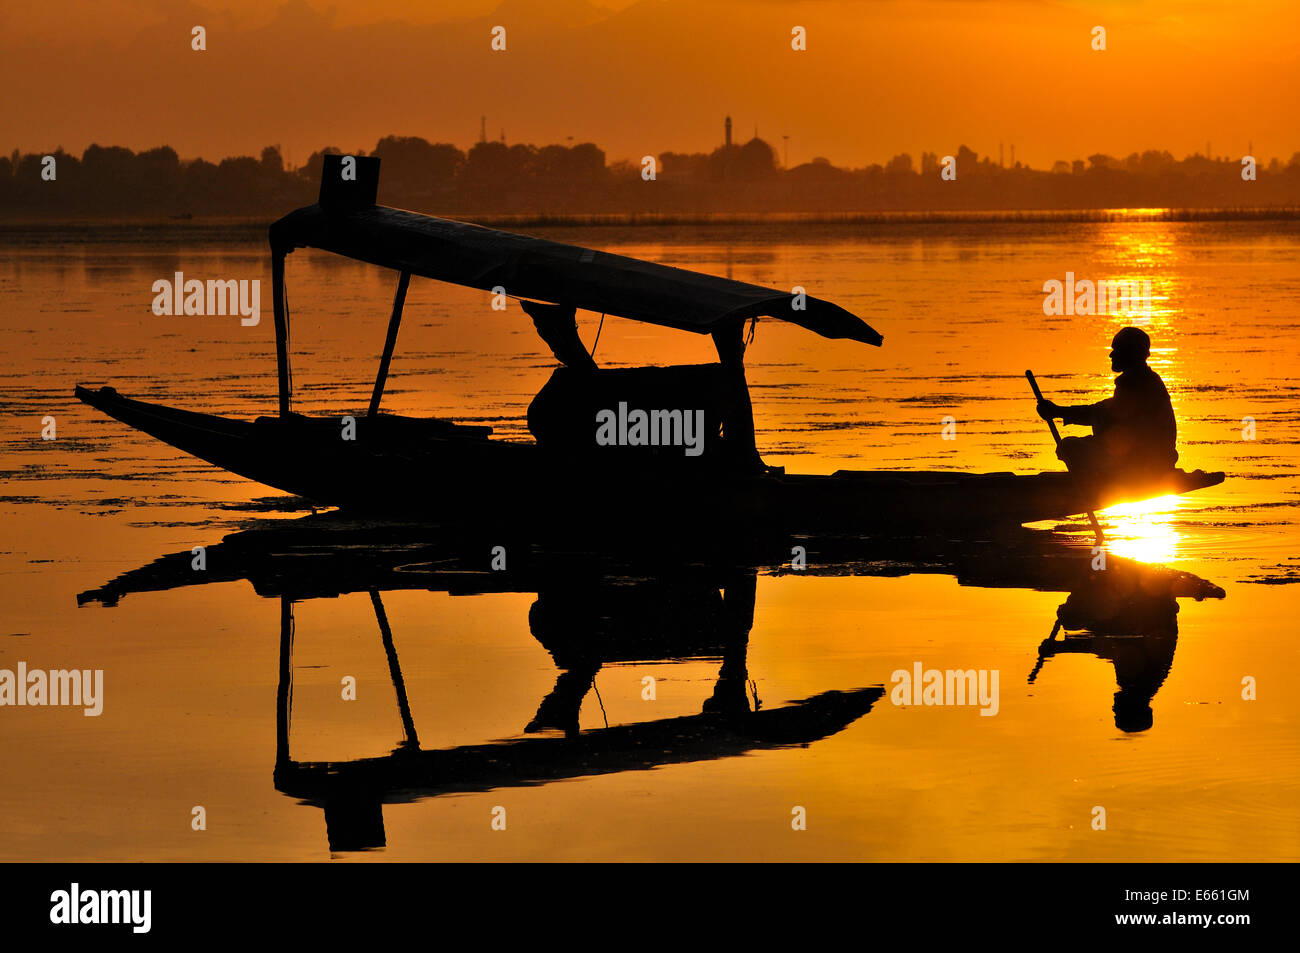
{"type": "Point", "coordinates": [656, 75]}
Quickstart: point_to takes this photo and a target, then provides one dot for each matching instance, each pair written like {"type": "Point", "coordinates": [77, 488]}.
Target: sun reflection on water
{"type": "Point", "coordinates": [1144, 530]}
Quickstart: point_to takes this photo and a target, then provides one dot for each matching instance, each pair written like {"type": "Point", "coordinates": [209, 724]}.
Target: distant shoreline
{"type": "Point", "coordinates": [253, 230]}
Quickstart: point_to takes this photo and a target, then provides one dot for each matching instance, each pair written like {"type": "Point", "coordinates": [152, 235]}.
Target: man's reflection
{"type": "Point", "coordinates": [1137, 632]}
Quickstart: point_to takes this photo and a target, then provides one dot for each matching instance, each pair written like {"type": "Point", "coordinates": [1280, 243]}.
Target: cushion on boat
{"type": "Point", "coordinates": [671, 416]}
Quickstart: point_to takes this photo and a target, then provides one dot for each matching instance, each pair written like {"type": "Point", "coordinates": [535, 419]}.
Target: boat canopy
{"type": "Point", "coordinates": [526, 267]}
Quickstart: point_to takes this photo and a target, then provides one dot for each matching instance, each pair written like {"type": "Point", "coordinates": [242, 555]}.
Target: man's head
{"type": "Point", "coordinates": [1129, 349]}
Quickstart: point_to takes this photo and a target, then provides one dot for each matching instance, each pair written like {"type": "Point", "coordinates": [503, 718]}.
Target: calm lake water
{"type": "Point", "coordinates": [192, 673]}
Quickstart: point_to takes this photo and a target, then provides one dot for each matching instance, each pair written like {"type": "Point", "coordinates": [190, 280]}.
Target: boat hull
{"type": "Point", "coordinates": [442, 472]}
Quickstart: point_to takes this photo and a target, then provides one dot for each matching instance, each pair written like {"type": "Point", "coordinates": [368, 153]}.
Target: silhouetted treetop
{"type": "Point", "coordinates": [495, 177]}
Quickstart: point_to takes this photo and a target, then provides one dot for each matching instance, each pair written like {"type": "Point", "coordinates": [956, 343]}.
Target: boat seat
{"type": "Point", "coordinates": [563, 417]}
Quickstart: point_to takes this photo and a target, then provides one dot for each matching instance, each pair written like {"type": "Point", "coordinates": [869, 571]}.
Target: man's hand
{"type": "Point", "coordinates": [1047, 409]}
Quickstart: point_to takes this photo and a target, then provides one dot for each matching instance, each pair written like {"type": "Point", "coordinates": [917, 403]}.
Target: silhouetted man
{"type": "Point", "coordinates": [1132, 431]}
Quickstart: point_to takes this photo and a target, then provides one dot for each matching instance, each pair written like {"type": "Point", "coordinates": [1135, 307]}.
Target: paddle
{"type": "Point", "coordinates": [1051, 425]}
{"type": "Point", "coordinates": [1038, 666]}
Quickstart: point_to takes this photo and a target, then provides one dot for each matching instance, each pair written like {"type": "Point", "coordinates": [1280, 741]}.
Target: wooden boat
{"type": "Point", "coordinates": [440, 469]}
{"type": "Point", "coordinates": [443, 471]}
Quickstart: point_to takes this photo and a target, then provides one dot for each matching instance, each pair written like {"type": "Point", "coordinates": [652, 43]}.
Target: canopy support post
{"type": "Point", "coordinates": [395, 672]}
{"type": "Point", "coordinates": [738, 425]}
{"type": "Point", "coordinates": [399, 300]}
{"type": "Point", "coordinates": [284, 690]}
{"type": "Point", "coordinates": [281, 328]}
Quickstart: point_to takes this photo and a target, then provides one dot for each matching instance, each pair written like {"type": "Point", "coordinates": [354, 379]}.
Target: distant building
{"type": "Point", "coordinates": [727, 132]}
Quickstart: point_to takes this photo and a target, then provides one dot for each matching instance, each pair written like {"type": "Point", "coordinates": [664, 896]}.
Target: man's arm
{"type": "Point", "coordinates": [1085, 415]}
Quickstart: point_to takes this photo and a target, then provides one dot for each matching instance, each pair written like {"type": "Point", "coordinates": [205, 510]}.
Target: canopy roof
{"type": "Point", "coordinates": [526, 267]}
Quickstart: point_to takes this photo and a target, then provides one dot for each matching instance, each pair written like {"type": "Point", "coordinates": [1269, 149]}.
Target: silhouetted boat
{"type": "Point", "coordinates": [449, 472]}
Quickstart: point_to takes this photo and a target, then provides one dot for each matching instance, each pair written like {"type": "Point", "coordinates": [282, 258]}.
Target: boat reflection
{"type": "Point", "coordinates": [352, 793]}
{"type": "Point", "coordinates": [628, 601]}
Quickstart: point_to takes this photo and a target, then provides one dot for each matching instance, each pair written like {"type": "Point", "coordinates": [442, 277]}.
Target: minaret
{"type": "Point", "coordinates": [728, 132]}
{"type": "Point", "coordinates": [482, 128]}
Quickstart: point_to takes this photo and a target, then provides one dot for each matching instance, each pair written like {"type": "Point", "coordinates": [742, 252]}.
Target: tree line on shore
{"type": "Point", "coordinates": [495, 178]}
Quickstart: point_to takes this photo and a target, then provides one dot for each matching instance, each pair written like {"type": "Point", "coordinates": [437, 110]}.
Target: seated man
{"type": "Point", "coordinates": [1133, 431]}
